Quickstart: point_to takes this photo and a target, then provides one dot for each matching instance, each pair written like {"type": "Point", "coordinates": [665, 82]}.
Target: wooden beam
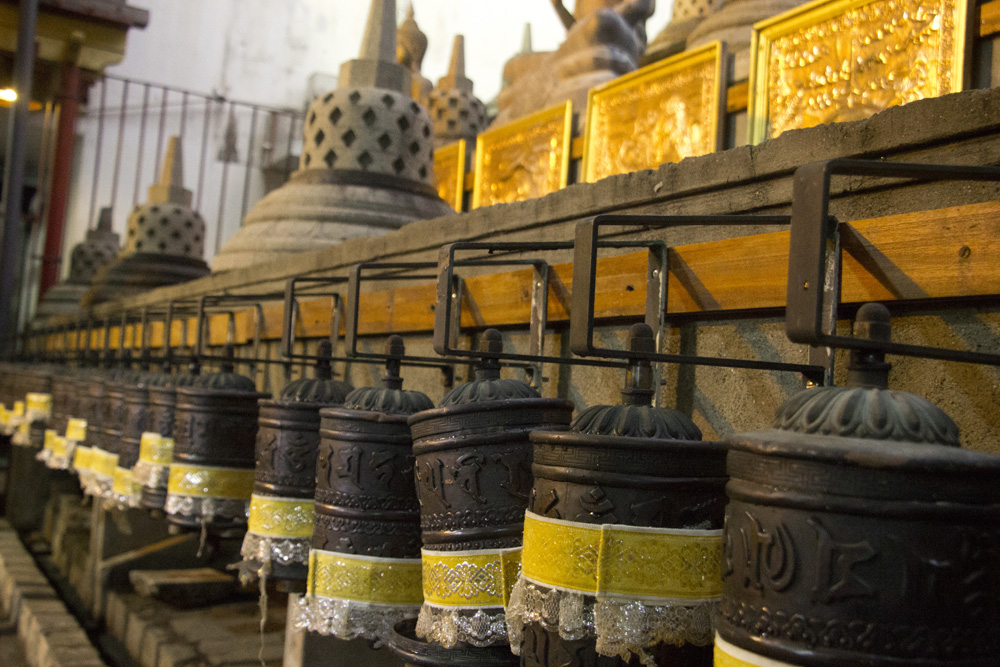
{"type": "Point", "coordinates": [989, 18]}
{"type": "Point", "coordinates": [944, 253]}
{"type": "Point", "coordinates": [738, 96]}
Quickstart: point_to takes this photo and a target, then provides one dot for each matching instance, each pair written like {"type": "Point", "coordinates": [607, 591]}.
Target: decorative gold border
{"type": "Point", "coordinates": [658, 70]}
{"type": "Point", "coordinates": [461, 148]}
{"type": "Point", "coordinates": [565, 110]}
{"type": "Point", "coordinates": [811, 13]}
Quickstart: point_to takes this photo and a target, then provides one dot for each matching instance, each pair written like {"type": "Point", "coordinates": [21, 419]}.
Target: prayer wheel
{"type": "Point", "coordinates": [473, 476]}
{"type": "Point", "coordinates": [364, 565]}
{"type": "Point", "coordinates": [28, 489]}
{"type": "Point", "coordinates": [858, 532]}
{"type": "Point", "coordinates": [276, 545]}
{"type": "Point", "coordinates": [211, 475]}
{"type": "Point", "coordinates": [623, 535]}
{"type": "Point", "coordinates": [156, 442]}
{"type": "Point", "coordinates": [112, 424]}
{"type": "Point", "coordinates": [126, 489]}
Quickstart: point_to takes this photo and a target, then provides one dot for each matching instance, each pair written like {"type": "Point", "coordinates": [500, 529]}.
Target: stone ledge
{"type": "Point", "coordinates": [49, 635]}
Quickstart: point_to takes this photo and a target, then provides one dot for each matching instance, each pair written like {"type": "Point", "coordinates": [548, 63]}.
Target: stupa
{"type": "Point", "coordinates": [366, 165]}
{"type": "Point", "coordinates": [455, 111]}
{"type": "Point", "coordinates": [164, 244]}
{"type": "Point", "coordinates": [411, 45]}
{"type": "Point", "coordinates": [99, 248]}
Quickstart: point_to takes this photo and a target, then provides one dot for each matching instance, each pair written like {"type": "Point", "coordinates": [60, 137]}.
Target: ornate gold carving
{"type": "Point", "coordinates": [842, 60]}
{"type": "Point", "coordinates": [663, 112]}
{"type": "Point", "coordinates": [449, 173]}
{"type": "Point", "coordinates": [525, 159]}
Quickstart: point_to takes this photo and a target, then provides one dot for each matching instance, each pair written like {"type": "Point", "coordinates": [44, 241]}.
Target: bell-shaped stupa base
{"type": "Point", "coordinates": [319, 208]}
{"type": "Point", "coordinates": [140, 272]}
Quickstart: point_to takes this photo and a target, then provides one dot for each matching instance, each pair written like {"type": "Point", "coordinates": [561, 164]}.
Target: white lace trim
{"type": "Point", "coordinates": [346, 619]}
{"type": "Point", "coordinates": [261, 551]}
{"type": "Point", "coordinates": [99, 486]}
{"type": "Point", "coordinates": [478, 627]}
{"type": "Point", "coordinates": [622, 627]}
{"type": "Point", "coordinates": [151, 475]}
{"type": "Point", "coordinates": [208, 509]}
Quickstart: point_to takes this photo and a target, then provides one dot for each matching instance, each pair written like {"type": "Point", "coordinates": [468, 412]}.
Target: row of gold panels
{"type": "Point", "coordinates": [826, 61]}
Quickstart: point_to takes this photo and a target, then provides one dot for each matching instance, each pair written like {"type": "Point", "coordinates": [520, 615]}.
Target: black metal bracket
{"type": "Point", "coordinates": [447, 312]}
{"type": "Point", "coordinates": [291, 314]}
{"type": "Point", "coordinates": [585, 280]}
{"type": "Point", "coordinates": [225, 303]}
{"type": "Point", "coordinates": [814, 248]}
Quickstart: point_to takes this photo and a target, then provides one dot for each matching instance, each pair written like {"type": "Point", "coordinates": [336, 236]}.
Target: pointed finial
{"type": "Point", "coordinates": [526, 39]}
{"type": "Point", "coordinates": [376, 66]}
{"type": "Point", "coordinates": [455, 78]}
{"type": "Point", "coordinates": [170, 188]}
{"type": "Point", "coordinates": [104, 220]}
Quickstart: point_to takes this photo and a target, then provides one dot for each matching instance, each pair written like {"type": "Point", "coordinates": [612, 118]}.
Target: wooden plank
{"type": "Point", "coordinates": [989, 18]}
{"type": "Point", "coordinates": [929, 254]}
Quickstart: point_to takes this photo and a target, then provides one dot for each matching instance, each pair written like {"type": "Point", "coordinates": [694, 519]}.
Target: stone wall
{"type": "Point", "coordinates": [957, 129]}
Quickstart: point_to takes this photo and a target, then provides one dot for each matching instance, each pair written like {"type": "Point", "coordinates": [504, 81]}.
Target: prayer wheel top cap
{"type": "Point", "coordinates": [321, 388]}
{"type": "Point", "coordinates": [390, 398]}
{"type": "Point", "coordinates": [865, 424]}
{"type": "Point", "coordinates": [226, 379]}
{"type": "Point", "coordinates": [488, 385]}
{"type": "Point", "coordinates": [636, 417]}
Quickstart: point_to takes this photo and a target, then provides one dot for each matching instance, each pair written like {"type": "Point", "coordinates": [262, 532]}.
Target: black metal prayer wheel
{"type": "Point", "coordinates": [160, 423]}
{"type": "Point", "coordinates": [366, 506]}
{"type": "Point", "coordinates": [211, 475]}
{"type": "Point", "coordinates": [859, 533]}
{"type": "Point", "coordinates": [473, 476]}
{"type": "Point", "coordinates": [629, 465]}
{"type": "Point", "coordinates": [418, 653]}
{"type": "Point", "coordinates": [281, 516]}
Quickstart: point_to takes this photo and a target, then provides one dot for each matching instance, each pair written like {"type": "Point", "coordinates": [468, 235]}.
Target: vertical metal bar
{"type": "Point", "coordinates": [657, 268]}
{"type": "Point", "coordinates": [222, 194]}
{"type": "Point", "coordinates": [539, 319]}
{"type": "Point", "coordinates": [118, 148]}
{"type": "Point", "coordinates": [246, 176]}
{"type": "Point", "coordinates": [92, 218]}
{"type": "Point", "coordinates": [291, 138]}
{"type": "Point", "coordinates": [160, 131]}
{"type": "Point", "coordinates": [204, 151]}
{"type": "Point", "coordinates": [13, 181]}
{"type": "Point", "coordinates": [143, 115]}
{"type": "Point", "coordinates": [184, 108]}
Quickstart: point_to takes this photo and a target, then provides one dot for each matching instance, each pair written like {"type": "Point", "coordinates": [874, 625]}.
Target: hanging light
{"type": "Point", "coordinates": [8, 94]}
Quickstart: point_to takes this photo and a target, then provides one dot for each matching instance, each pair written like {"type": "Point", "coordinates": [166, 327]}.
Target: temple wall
{"type": "Point", "coordinates": [957, 129]}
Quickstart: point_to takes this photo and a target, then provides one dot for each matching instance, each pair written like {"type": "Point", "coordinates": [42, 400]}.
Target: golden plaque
{"type": "Point", "coordinates": [842, 60]}
{"type": "Point", "coordinates": [449, 172]}
{"type": "Point", "coordinates": [524, 159]}
{"type": "Point", "coordinates": [660, 113]}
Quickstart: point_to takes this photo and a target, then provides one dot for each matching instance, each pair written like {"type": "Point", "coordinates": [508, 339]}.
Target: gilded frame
{"type": "Point", "coordinates": [488, 140]}
{"type": "Point", "coordinates": [445, 155]}
{"type": "Point", "coordinates": [714, 52]}
{"type": "Point", "coordinates": [813, 14]}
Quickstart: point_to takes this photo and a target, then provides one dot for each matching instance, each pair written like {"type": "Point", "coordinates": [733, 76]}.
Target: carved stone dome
{"type": "Point", "coordinates": [456, 112]}
{"type": "Point", "coordinates": [99, 248]}
{"type": "Point", "coordinates": [166, 229]}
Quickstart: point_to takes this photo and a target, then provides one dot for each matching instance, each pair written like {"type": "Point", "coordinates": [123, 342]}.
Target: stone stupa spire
{"type": "Point", "coordinates": [456, 112]}
{"type": "Point", "coordinates": [366, 165]}
{"type": "Point", "coordinates": [170, 188]}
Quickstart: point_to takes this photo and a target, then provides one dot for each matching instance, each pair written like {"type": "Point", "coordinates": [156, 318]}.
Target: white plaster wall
{"type": "Point", "coordinates": [264, 52]}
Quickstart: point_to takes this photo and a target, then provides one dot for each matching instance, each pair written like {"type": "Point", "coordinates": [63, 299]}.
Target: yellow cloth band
{"type": "Point", "coordinates": [82, 458]}
{"type": "Point", "coordinates": [209, 481]}
{"type": "Point", "coordinates": [480, 578]}
{"type": "Point", "coordinates": [50, 436]}
{"type": "Point", "coordinates": [727, 655]}
{"type": "Point", "coordinates": [281, 517]}
{"type": "Point", "coordinates": [76, 429]}
{"type": "Point", "coordinates": [153, 448]}
{"type": "Point", "coordinates": [59, 446]}
{"type": "Point", "coordinates": [39, 403]}
{"type": "Point", "coordinates": [102, 462]}
{"type": "Point", "coordinates": [123, 484]}
{"type": "Point", "coordinates": [623, 561]}
{"type": "Point", "coordinates": [18, 409]}
{"type": "Point", "coordinates": [394, 581]}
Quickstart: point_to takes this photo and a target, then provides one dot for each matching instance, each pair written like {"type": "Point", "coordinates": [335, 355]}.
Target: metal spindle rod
{"type": "Point", "coordinates": [143, 115]}
{"type": "Point", "coordinates": [97, 155]}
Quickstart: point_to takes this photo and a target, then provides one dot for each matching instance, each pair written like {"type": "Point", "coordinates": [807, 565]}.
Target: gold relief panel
{"type": "Point", "coordinates": [525, 159]}
{"type": "Point", "coordinates": [660, 113]}
{"type": "Point", "coordinates": [449, 173]}
{"type": "Point", "coordinates": [841, 60]}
